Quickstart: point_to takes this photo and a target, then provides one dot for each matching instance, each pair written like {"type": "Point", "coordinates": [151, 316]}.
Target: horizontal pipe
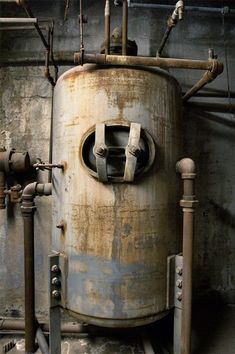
{"type": "Point", "coordinates": [216, 10]}
{"type": "Point", "coordinates": [20, 28]}
{"type": "Point", "coordinates": [147, 61]}
{"type": "Point", "coordinates": [33, 62]}
{"type": "Point", "coordinates": [18, 20]}
{"type": "Point", "coordinates": [213, 107]}
{"type": "Point", "coordinates": [28, 12]}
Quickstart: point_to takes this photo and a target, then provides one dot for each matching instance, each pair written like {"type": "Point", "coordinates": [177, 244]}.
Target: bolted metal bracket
{"type": "Point", "coordinates": [132, 152]}
{"type": "Point", "coordinates": [100, 152]}
{"type": "Point", "coordinates": [178, 280]}
{"type": "Point", "coordinates": [57, 298]}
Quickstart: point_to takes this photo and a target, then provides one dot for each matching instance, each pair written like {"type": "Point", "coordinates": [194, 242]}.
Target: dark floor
{"type": "Point", "coordinates": [213, 333]}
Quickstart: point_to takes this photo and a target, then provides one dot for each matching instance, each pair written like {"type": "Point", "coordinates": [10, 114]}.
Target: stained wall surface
{"type": "Point", "coordinates": [25, 110]}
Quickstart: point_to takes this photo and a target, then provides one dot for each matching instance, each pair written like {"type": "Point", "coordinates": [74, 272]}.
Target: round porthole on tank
{"type": "Point", "coordinates": [117, 151]}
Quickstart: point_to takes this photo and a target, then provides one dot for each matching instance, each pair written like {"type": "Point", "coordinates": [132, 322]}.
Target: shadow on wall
{"type": "Point", "coordinates": [210, 140]}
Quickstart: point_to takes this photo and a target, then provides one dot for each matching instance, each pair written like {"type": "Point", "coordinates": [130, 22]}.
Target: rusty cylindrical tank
{"type": "Point", "coordinates": [117, 235]}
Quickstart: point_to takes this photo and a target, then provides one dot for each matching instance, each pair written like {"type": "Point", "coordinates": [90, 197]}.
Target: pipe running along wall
{"type": "Point", "coordinates": [186, 167]}
{"type": "Point", "coordinates": [213, 66]}
{"type": "Point", "coordinates": [28, 209]}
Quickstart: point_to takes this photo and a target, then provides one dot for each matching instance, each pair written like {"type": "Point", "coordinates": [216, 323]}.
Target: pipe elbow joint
{"type": "Point", "coordinates": [186, 166]}
{"type": "Point", "coordinates": [29, 191]}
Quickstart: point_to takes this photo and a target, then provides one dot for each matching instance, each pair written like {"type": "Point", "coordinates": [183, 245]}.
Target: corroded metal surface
{"type": "Point", "coordinates": [117, 236]}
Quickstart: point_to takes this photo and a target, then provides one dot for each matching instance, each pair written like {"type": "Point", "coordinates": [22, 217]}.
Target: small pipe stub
{"type": "Point", "coordinates": [186, 166]}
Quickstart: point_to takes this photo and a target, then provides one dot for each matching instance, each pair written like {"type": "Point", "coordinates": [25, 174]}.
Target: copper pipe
{"type": "Point", "coordinates": [187, 169]}
{"type": "Point", "coordinates": [124, 27]}
{"type": "Point", "coordinates": [107, 26]}
{"type": "Point", "coordinates": [103, 59]}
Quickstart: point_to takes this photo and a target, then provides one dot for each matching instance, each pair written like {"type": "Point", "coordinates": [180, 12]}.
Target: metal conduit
{"type": "Point", "coordinates": [18, 20]}
{"type": "Point", "coordinates": [218, 10]}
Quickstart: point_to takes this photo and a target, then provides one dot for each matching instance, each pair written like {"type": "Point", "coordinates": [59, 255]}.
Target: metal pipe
{"type": "Point", "coordinates": [2, 189]}
{"type": "Point", "coordinates": [219, 10]}
{"type": "Point", "coordinates": [33, 62]}
{"type": "Point", "coordinates": [164, 39]}
{"type": "Point", "coordinates": [19, 28]}
{"type": "Point", "coordinates": [124, 26]}
{"type": "Point", "coordinates": [81, 32]}
{"type": "Point", "coordinates": [213, 107]}
{"type": "Point", "coordinates": [16, 324]}
{"type": "Point", "coordinates": [148, 61]}
{"type": "Point", "coordinates": [171, 23]}
{"type": "Point", "coordinates": [207, 77]}
{"type": "Point", "coordinates": [28, 11]}
{"type": "Point", "coordinates": [41, 340]}
{"type": "Point", "coordinates": [28, 209]}
{"type": "Point", "coordinates": [18, 20]}
{"type": "Point", "coordinates": [107, 26]}
{"type": "Point", "coordinates": [186, 167]}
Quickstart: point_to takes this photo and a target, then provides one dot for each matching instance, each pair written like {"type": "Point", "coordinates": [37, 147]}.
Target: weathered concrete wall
{"type": "Point", "coordinates": [25, 104]}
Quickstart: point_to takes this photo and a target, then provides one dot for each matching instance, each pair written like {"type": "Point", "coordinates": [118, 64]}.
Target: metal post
{"type": "Point", "coordinates": [187, 169]}
{"type": "Point", "coordinates": [28, 209]}
{"type": "Point", "coordinates": [124, 27]}
{"type": "Point", "coordinates": [107, 26]}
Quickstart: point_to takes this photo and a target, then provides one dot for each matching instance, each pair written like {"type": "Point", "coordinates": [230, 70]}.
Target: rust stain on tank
{"type": "Point", "coordinates": [118, 236]}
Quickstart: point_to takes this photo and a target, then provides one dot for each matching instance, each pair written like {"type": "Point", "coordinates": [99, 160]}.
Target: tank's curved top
{"type": "Point", "coordinates": [73, 72]}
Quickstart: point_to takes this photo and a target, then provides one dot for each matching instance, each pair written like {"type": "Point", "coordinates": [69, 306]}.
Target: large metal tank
{"type": "Point", "coordinates": [117, 235]}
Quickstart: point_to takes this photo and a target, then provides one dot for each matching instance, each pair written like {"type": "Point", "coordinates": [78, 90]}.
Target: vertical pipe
{"type": "Point", "coordinates": [124, 27]}
{"type": "Point", "coordinates": [2, 188]}
{"type": "Point", "coordinates": [30, 321]}
{"type": "Point", "coordinates": [107, 26]}
{"type": "Point", "coordinates": [188, 221]}
{"type": "Point", "coordinates": [187, 169]}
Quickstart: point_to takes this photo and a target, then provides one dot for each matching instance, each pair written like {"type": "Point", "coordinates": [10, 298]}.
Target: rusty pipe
{"type": "Point", "coordinates": [166, 63]}
{"type": "Point", "coordinates": [186, 167]}
{"type": "Point", "coordinates": [28, 209]}
{"type": "Point", "coordinates": [171, 23]}
{"type": "Point", "coordinates": [107, 26]}
{"type": "Point", "coordinates": [16, 324]}
{"type": "Point", "coordinates": [209, 76]}
{"type": "Point", "coordinates": [124, 26]}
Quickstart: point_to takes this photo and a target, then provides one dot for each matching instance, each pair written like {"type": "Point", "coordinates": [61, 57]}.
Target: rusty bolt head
{"type": "Point", "coordinates": [179, 296]}
{"type": "Point", "coordinates": [55, 269]}
{"type": "Point", "coordinates": [179, 283]}
{"type": "Point", "coordinates": [134, 150]}
{"type": "Point", "coordinates": [101, 151]}
{"type": "Point", "coordinates": [55, 281]}
{"type": "Point", "coordinates": [179, 270]}
{"type": "Point", "coordinates": [55, 294]}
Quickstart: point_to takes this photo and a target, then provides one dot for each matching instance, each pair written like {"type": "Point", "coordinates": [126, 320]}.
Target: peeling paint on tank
{"type": "Point", "coordinates": [118, 236]}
